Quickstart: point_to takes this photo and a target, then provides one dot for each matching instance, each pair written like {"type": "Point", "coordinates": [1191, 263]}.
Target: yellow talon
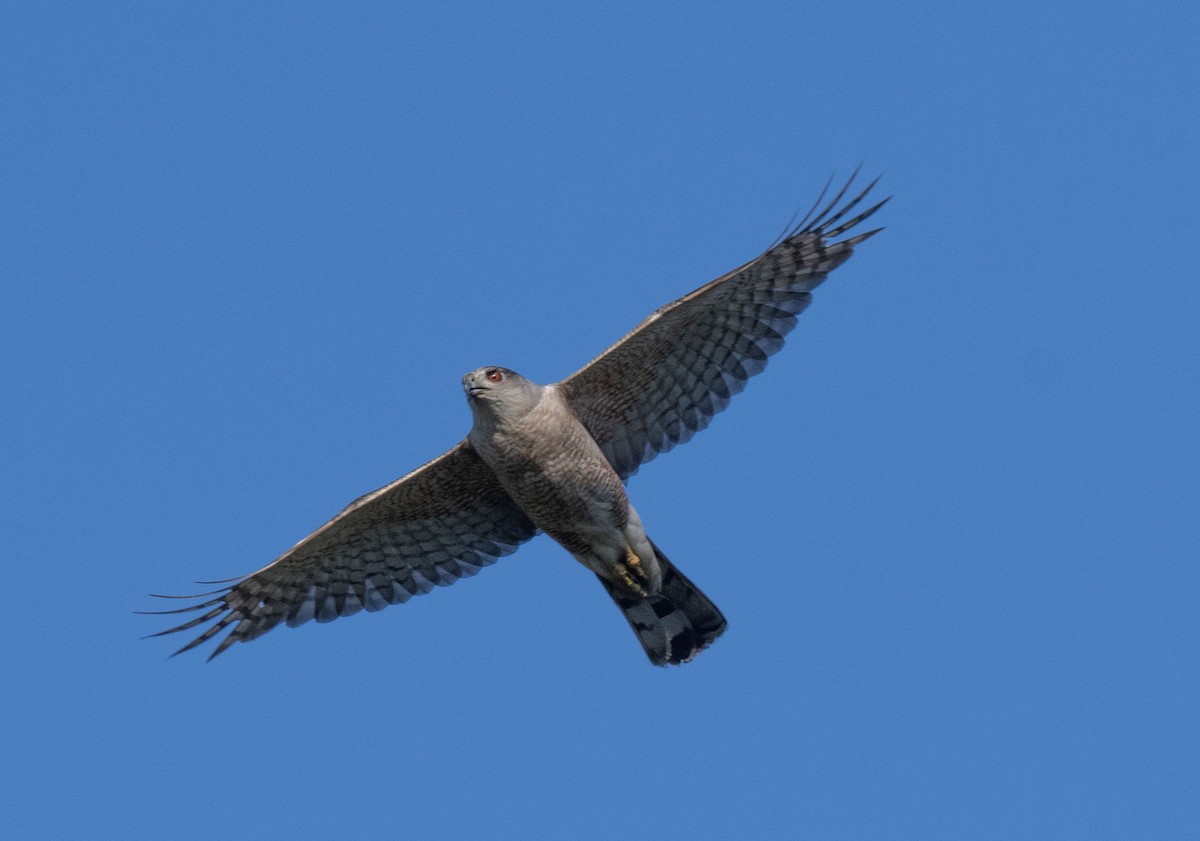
{"type": "Point", "coordinates": [625, 573]}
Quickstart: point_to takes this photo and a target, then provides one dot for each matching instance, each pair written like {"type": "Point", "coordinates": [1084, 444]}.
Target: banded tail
{"type": "Point", "coordinates": [674, 624]}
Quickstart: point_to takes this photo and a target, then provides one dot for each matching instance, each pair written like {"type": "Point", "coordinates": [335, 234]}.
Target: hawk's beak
{"type": "Point", "coordinates": [469, 385]}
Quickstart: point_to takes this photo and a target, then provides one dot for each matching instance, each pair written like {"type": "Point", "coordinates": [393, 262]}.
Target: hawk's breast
{"type": "Point", "coordinates": [549, 464]}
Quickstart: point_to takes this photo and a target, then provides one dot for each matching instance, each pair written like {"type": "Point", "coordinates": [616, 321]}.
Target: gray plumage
{"type": "Point", "coordinates": [555, 458]}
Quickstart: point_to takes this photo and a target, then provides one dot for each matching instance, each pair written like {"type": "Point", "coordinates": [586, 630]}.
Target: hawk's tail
{"type": "Point", "coordinates": [676, 623]}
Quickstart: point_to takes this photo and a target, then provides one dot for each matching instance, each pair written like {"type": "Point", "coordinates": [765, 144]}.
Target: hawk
{"type": "Point", "coordinates": [555, 458]}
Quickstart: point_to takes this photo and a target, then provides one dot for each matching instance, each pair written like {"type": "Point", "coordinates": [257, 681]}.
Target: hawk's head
{"type": "Point", "coordinates": [500, 390]}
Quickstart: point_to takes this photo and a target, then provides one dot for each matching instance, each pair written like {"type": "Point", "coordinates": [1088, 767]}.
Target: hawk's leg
{"type": "Point", "coordinates": [633, 573]}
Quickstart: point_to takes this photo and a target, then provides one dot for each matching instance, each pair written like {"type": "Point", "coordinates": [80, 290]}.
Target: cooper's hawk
{"type": "Point", "coordinates": [555, 458]}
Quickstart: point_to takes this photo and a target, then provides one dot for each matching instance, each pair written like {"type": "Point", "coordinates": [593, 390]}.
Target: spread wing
{"type": "Point", "coordinates": [441, 522]}
{"type": "Point", "coordinates": [665, 380]}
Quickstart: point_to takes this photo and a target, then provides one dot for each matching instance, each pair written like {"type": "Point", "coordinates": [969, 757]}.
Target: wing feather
{"type": "Point", "coordinates": [664, 381]}
{"type": "Point", "coordinates": [444, 521]}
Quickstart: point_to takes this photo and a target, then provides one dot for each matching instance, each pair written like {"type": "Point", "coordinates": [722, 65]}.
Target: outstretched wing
{"type": "Point", "coordinates": [665, 380]}
{"type": "Point", "coordinates": [441, 522]}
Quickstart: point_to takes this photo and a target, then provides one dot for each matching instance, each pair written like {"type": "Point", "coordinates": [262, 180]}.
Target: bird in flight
{"type": "Point", "coordinates": [555, 458]}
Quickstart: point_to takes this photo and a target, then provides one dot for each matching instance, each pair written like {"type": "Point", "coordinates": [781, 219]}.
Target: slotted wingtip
{"type": "Point", "coordinates": [829, 221]}
{"type": "Point", "coordinates": [216, 609]}
{"type": "Point", "coordinates": [832, 233]}
{"type": "Point", "coordinates": [823, 218]}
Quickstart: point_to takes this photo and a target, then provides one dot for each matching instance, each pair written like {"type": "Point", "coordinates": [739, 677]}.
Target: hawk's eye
{"type": "Point", "coordinates": [495, 376]}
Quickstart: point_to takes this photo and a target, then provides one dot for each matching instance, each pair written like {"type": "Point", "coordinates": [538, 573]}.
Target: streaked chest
{"type": "Point", "coordinates": [549, 463]}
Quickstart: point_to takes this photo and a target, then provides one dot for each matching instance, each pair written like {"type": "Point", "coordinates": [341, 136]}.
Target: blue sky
{"type": "Point", "coordinates": [245, 255]}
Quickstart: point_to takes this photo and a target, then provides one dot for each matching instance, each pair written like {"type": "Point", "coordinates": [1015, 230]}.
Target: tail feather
{"type": "Point", "coordinates": [674, 624]}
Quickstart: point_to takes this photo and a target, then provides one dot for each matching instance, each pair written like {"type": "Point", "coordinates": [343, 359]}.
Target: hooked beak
{"type": "Point", "coordinates": [470, 386]}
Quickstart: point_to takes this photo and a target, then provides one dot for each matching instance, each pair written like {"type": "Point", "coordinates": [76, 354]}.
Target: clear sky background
{"type": "Point", "coordinates": [247, 253]}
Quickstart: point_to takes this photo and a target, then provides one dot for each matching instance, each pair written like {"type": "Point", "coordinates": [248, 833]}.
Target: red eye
{"type": "Point", "coordinates": [495, 376]}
